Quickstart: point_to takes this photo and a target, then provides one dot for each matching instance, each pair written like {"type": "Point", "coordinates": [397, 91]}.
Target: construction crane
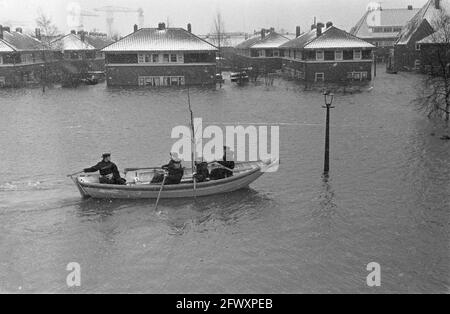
{"type": "Point", "coordinates": [76, 15]}
{"type": "Point", "coordinates": [110, 10]}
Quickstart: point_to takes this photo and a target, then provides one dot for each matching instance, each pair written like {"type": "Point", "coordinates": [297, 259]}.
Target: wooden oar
{"type": "Point", "coordinates": [74, 174]}
{"type": "Point", "coordinates": [160, 191]}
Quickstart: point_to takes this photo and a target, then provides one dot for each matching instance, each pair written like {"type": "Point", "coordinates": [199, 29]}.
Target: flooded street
{"type": "Point", "coordinates": [387, 200]}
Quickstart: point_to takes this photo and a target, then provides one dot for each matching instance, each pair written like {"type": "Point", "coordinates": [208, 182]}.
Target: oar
{"type": "Point", "coordinates": [160, 191]}
{"type": "Point", "coordinates": [221, 166]}
{"type": "Point", "coordinates": [74, 174]}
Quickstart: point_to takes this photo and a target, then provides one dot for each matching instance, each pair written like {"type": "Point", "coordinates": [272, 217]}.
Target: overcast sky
{"type": "Point", "coordinates": [239, 15]}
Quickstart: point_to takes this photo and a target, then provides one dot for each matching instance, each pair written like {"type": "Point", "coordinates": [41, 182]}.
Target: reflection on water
{"type": "Point", "coordinates": [386, 199]}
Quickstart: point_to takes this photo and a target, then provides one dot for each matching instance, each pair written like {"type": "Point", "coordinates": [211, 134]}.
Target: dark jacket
{"type": "Point", "coordinates": [105, 168]}
{"type": "Point", "coordinates": [175, 173]}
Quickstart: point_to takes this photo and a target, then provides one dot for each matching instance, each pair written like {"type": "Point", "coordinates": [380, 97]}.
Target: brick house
{"type": "Point", "coordinates": [160, 57]}
{"type": "Point", "coordinates": [381, 27]}
{"type": "Point", "coordinates": [21, 58]}
{"type": "Point", "coordinates": [263, 51]}
{"type": "Point", "coordinates": [435, 53]}
{"type": "Point", "coordinates": [406, 53]}
{"type": "Point", "coordinates": [80, 53]}
{"type": "Point", "coordinates": [328, 55]}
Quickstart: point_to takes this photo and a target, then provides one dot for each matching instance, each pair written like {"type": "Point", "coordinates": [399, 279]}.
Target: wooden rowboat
{"type": "Point", "coordinates": [139, 186]}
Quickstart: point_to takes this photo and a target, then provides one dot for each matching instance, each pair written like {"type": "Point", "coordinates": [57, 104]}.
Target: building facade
{"type": "Point", "coordinates": [435, 53]}
{"type": "Point", "coordinates": [79, 54]}
{"type": "Point", "coordinates": [406, 54]}
{"type": "Point", "coordinates": [381, 27]}
{"type": "Point", "coordinates": [160, 57]}
{"type": "Point", "coordinates": [21, 58]}
{"type": "Point", "coordinates": [262, 51]}
{"type": "Point", "coordinates": [328, 55]}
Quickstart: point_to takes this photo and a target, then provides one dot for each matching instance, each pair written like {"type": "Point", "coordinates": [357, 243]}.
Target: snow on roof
{"type": "Point", "coordinates": [382, 18]}
{"type": "Point", "coordinates": [21, 42]}
{"type": "Point", "coordinates": [331, 38]}
{"type": "Point", "coordinates": [249, 42]}
{"type": "Point", "coordinates": [428, 12]}
{"type": "Point", "coordinates": [273, 40]}
{"type": "Point", "coordinates": [4, 47]}
{"type": "Point", "coordinates": [154, 39]}
{"type": "Point", "coordinates": [71, 42]}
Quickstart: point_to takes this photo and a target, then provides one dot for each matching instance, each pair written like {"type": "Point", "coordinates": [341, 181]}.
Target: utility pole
{"type": "Point", "coordinates": [329, 97]}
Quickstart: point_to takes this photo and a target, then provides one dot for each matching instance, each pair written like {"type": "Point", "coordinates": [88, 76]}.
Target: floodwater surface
{"type": "Point", "coordinates": [387, 199]}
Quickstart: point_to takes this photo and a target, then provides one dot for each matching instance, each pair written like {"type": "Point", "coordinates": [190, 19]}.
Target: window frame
{"type": "Point", "coordinates": [316, 77]}
{"type": "Point", "coordinates": [318, 52]}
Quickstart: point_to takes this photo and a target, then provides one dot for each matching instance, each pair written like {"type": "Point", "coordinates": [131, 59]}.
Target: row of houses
{"type": "Point", "coordinates": [323, 54]}
{"type": "Point", "coordinates": [27, 59]}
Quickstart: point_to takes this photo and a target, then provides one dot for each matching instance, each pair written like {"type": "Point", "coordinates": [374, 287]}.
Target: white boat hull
{"type": "Point", "coordinates": [245, 174]}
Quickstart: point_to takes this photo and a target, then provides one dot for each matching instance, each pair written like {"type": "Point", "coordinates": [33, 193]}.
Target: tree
{"type": "Point", "coordinates": [48, 33]}
{"type": "Point", "coordinates": [435, 51]}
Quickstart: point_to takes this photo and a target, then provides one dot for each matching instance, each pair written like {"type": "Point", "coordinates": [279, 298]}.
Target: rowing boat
{"type": "Point", "coordinates": [139, 184]}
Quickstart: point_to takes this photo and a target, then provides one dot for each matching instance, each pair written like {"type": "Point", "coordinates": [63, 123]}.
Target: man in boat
{"type": "Point", "coordinates": [175, 171]}
{"type": "Point", "coordinates": [109, 173]}
{"type": "Point", "coordinates": [225, 171]}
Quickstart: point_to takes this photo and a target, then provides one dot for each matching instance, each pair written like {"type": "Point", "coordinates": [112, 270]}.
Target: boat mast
{"type": "Point", "coordinates": [193, 141]}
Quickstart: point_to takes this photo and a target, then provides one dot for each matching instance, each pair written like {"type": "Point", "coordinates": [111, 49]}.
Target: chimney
{"type": "Point", "coordinates": [161, 26]}
{"type": "Point", "coordinates": [329, 24]}
{"type": "Point", "coordinates": [437, 4]}
{"type": "Point", "coordinates": [297, 32]}
{"type": "Point", "coordinates": [313, 27]}
{"type": "Point", "coordinates": [410, 7]}
{"type": "Point", "coordinates": [73, 32]}
{"type": "Point", "coordinates": [189, 28]}
{"type": "Point", "coordinates": [263, 33]}
{"type": "Point", "coordinates": [19, 30]}
{"type": "Point", "coordinates": [319, 29]}
{"type": "Point", "coordinates": [1, 31]}
{"type": "Point", "coordinates": [135, 29]}
{"type": "Point", "coordinates": [272, 29]}
{"type": "Point", "coordinates": [82, 35]}
{"type": "Point", "coordinates": [7, 29]}
{"type": "Point", "coordinates": [37, 33]}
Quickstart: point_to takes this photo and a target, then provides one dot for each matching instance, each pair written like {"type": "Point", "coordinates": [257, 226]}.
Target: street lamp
{"type": "Point", "coordinates": [329, 97]}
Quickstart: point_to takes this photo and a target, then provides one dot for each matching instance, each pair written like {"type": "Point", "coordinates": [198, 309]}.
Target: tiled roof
{"type": "Point", "coordinates": [384, 17]}
{"type": "Point", "coordinates": [4, 47]}
{"type": "Point", "coordinates": [442, 36]}
{"type": "Point", "coordinates": [249, 42]}
{"type": "Point", "coordinates": [331, 38]}
{"type": "Point", "coordinates": [153, 39]}
{"type": "Point", "coordinates": [427, 13]}
{"type": "Point", "coordinates": [301, 41]}
{"type": "Point", "coordinates": [98, 42]}
{"type": "Point", "coordinates": [272, 40]}
{"type": "Point", "coordinates": [21, 42]}
{"type": "Point", "coordinates": [71, 42]}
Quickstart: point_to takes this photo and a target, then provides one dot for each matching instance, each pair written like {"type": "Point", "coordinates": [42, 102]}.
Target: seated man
{"type": "Point", "coordinates": [174, 169]}
{"type": "Point", "coordinates": [222, 173]}
{"type": "Point", "coordinates": [202, 174]}
{"type": "Point", "coordinates": [109, 173]}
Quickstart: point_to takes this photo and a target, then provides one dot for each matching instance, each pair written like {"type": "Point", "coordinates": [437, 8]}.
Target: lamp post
{"type": "Point", "coordinates": [329, 97]}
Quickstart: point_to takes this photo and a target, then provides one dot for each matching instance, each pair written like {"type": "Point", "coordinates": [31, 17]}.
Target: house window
{"type": "Point", "coordinates": [417, 64]}
{"type": "Point", "coordinates": [320, 77]}
{"type": "Point", "coordinates": [173, 58]}
{"type": "Point", "coordinates": [348, 54]}
{"type": "Point", "coordinates": [357, 54]}
{"type": "Point", "coordinates": [141, 58]}
{"type": "Point", "coordinates": [2, 81]}
{"type": "Point", "coordinates": [156, 81]}
{"type": "Point", "coordinates": [329, 55]}
{"type": "Point", "coordinates": [155, 58]}
{"type": "Point", "coordinates": [1, 59]}
{"type": "Point", "coordinates": [166, 58]}
{"type": "Point", "coordinates": [319, 55]}
{"type": "Point", "coordinates": [261, 53]}
{"type": "Point", "coordinates": [357, 76]}
{"type": "Point", "coordinates": [338, 55]}
{"type": "Point", "coordinates": [276, 53]}
{"type": "Point", "coordinates": [367, 54]}
{"type": "Point", "coordinates": [418, 47]}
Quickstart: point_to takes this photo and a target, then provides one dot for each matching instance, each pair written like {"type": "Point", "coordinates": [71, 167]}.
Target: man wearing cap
{"type": "Point", "coordinates": [174, 169]}
{"type": "Point", "coordinates": [109, 173]}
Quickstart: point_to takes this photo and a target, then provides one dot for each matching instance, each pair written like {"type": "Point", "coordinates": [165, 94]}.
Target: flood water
{"type": "Point", "coordinates": [387, 199]}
